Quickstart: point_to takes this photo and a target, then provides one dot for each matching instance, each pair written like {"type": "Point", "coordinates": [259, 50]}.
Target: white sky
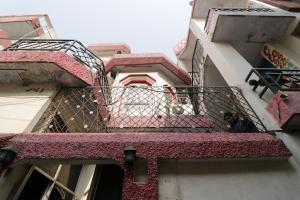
{"type": "Point", "coordinates": [145, 25]}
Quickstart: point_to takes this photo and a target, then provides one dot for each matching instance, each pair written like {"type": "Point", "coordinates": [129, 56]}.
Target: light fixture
{"type": "Point", "coordinates": [284, 96]}
{"type": "Point", "coordinates": [7, 155]}
{"type": "Point", "coordinates": [129, 155]}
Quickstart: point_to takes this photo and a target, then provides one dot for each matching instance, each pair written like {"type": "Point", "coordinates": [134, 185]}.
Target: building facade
{"type": "Point", "coordinates": [101, 122]}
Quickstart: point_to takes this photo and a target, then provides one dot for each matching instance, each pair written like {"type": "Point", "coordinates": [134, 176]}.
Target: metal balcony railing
{"type": "Point", "coordinates": [197, 60]}
{"type": "Point", "coordinates": [275, 79]}
{"type": "Point", "coordinates": [73, 48]}
{"type": "Point", "coordinates": [150, 109]}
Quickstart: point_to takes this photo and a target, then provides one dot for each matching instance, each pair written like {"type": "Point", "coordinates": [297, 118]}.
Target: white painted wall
{"type": "Point", "coordinates": [21, 107]}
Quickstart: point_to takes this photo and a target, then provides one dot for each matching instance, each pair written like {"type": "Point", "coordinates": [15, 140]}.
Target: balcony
{"type": "Point", "coordinates": [149, 109]}
{"type": "Point", "coordinates": [284, 86]}
{"type": "Point", "coordinates": [51, 59]}
{"type": "Point", "coordinates": [257, 25]}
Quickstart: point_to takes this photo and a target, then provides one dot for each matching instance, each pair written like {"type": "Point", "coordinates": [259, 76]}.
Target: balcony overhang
{"type": "Point", "coordinates": [148, 63]}
{"type": "Point", "coordinates": [25, 67]}
{"type": "Point", "coordinates": [248, 25]}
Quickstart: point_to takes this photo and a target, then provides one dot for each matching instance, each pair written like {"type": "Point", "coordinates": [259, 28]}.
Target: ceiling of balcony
{"type": "Point", "coordinates": [249, 28]}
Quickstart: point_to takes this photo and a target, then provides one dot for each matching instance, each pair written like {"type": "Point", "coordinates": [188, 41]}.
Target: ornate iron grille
{"type": "Point", "coordinates": [275, 79]}
{"type": "Point", "coordinates": [149, 109]}
{"type": "Point", "coordinates": [196, 62]}
{"type": "Point", "coordinates": [73, 48]}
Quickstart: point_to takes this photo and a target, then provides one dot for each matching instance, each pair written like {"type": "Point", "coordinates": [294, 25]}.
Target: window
{"type": "Point", "coordinates": [53, 182]}
{"type": "Point", "coordinates": [137, 101]}
{"type": "Point", "coordinates": [182, 96]}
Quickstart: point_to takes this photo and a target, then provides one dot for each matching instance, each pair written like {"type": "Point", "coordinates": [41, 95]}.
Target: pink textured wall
{"type": "Point", "coordinates": [151, 146]}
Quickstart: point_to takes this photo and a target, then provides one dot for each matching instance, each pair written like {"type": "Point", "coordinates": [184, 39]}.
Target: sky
{"type": "Point", "coordinates": [145, 25]}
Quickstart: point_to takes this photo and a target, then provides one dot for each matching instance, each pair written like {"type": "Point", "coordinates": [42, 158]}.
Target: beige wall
{"type": "Point", "coordinates": [229, 180]}
{"type": "Point", "coordinates": [21, 107]}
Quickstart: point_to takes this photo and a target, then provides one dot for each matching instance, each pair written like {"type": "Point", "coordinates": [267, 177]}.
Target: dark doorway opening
{"type": "Point", "coordinates": [35, 187]}
{"type": "Point", "coordinates": [108, 183]}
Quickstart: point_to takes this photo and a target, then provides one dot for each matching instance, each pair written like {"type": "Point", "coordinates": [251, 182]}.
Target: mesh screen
{"type": "Point", "coordinates": [149, 109]}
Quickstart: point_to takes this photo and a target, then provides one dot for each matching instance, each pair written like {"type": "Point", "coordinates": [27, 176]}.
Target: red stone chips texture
{"type": "Point", "coordinates": [151, 146]}
{"type": "Point", "coordinates": [60, 59]}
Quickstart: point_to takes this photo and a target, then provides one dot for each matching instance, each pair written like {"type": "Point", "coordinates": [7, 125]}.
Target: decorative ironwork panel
{"type": "Point", "coordinates": [150, 109]}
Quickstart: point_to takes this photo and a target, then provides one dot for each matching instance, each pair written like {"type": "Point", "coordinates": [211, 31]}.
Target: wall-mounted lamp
{"type": "Point", "coordinates": [129, 155]}
{"type": "Point", "coordinates": [7, 155]}
{"type": "Point", "coordinates": [284, 97]}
